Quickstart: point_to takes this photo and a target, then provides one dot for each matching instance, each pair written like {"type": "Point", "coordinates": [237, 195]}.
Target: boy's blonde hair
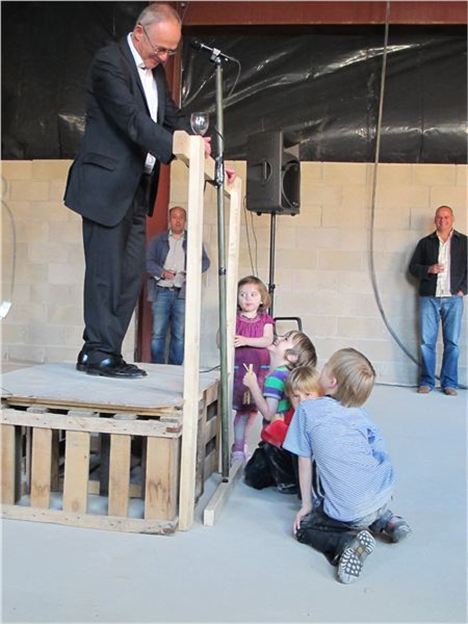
{"type": "Point", "coordinates": [262, 289]}
{"type": "Point", "coordinates": [354, 374]}
{"type": "Point", "coordinates": [303, 352]}
{"type": "Point", "coordinates": [304, 379]}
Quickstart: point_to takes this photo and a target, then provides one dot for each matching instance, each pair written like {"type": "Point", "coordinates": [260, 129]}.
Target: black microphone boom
{"type": "Point", "coordinates": [214, 52]}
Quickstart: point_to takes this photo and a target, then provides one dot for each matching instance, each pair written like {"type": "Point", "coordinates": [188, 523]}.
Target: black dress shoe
{"type": "Point", "coordinates": [141, 372]}
{"type": "Point", "coordinates": [82, 361]}
{"type": "Point", "coordinates": [112, 367]}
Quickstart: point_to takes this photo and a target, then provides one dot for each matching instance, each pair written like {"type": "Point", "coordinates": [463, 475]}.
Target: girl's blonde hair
{"type": "Point", "coordinates": [354, 374]}
{"type": "Point", "coordinates": [262, 289]}
{"type": "Point", "coordinates": [304, 379]}
{"type": "Point", "coordinates": [303, 353]}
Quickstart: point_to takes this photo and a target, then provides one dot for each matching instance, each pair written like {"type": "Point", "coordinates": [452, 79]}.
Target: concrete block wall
{"type": "Point", "coordinates": [44, 323]}
{"type": "Point", "coordinates": [324, 267]}
{"type": "Point", "coordinates": [322, 259]}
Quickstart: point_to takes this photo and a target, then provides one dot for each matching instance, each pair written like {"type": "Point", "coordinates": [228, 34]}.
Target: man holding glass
{"type": "Point", "coordinates": [166, 266]}
{"type": "Point", "coordinates": [440, 263]}
{"type": "Point", "coordinates": [113, 180]}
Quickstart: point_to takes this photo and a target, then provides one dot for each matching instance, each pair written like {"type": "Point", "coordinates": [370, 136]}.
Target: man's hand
{"type": "Point", "coordinates": [207, 145]}
{"type": "Point", "coordinates": [434, 269]}
{"type": "Point", "coordinates": [168, 275]}
{"type": "Point", "coordinates": [230, 174]}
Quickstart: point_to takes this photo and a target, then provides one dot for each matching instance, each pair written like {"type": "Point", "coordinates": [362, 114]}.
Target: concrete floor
{"type": "Point", "coordinates": [248, 567]}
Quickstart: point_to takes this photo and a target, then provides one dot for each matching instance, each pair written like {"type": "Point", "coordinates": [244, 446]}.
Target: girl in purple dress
{"type": "Point", "coordinates": [254, 333]}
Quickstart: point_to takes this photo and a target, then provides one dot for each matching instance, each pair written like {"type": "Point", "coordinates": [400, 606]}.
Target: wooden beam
{"type": "Point", "coordinates": [263, 13]}
{"type": "Point", "coordinates": [219, 498]}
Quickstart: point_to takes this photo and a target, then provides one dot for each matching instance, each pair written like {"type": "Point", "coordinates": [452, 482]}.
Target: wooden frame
{"type": "Point", "coordinates": [189, 149]}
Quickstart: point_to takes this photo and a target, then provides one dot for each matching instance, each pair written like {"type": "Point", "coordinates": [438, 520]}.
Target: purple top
{"type": "Point", "coordinates": [259, 357]}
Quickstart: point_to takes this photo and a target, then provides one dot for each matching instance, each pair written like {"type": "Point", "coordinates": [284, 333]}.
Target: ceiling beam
{"type": "Point", "coordinates": [263, 12]}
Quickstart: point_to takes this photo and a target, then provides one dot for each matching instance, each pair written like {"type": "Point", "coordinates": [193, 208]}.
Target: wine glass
{"type": "Point", "coordinates": [200, 122]}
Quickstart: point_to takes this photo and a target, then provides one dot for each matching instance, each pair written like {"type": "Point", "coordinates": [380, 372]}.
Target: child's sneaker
{"type": "Point", "coordinates": [353, 557]}
{"type": "Point", "coordinates": [236, 455]}
{"type": "Point", "coordinates": [287, 488]}
{"type": "Point", "coordinates": [397, 529]}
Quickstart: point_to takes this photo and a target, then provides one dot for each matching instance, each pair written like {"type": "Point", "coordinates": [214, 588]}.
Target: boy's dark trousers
{"type": "Point", "coordinates": [329, 536]}
{"type": "Point", "coordinates": [272, 465]}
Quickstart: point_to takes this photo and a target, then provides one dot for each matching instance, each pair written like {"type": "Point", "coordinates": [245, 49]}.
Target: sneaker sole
{"type": "Point", "coordinates": [353, 557]}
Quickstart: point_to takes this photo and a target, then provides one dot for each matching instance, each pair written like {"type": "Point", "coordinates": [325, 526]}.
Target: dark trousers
{"type": "Point", "coordinates": [330, 536]}
{"type": "Point", "coordinates": [115, 265]}
{"type": "Point", "coordinates": [271, 465]}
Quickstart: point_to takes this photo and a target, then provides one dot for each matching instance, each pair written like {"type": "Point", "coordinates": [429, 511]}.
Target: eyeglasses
{"type": "Point", "coordinates": [158, 51]}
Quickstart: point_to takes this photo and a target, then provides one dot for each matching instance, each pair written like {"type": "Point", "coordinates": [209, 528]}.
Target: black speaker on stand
{"type": "Point", "coordinates": [273, 186]}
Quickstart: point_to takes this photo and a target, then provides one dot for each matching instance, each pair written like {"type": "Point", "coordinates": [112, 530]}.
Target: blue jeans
{"type": "Point", "coordinates": [448, 310]}
{"type": "Point", "coordinates": [168, 314]}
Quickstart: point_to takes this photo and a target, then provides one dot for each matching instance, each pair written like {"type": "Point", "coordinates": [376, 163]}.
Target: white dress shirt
{"type": "Point", "coordinates": [151, 94]}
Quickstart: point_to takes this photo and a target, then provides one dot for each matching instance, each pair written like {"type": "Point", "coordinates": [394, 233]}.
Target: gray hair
{"type": "Point", "coordinates": [157, 12]}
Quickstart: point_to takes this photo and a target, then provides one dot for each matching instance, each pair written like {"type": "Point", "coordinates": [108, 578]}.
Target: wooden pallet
{"type": "Point", "coordinates": [96, 462]}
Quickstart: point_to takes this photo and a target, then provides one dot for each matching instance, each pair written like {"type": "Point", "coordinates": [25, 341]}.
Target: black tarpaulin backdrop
{"type": "Point", "coordinates": [319, 84]}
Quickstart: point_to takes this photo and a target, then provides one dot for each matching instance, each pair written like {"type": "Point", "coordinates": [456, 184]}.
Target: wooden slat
{"type": "Point", "coordinates": [75, 487]}
{"type": "Point", "coordinates": [41, 467]}
{"type": "Point", "coordinates": [107, 425]}
{"type": "Point", "coordinates": [192, 331]}
{"type": "Point", "coordinates": [217, 501]}
{"type": "Point", "coordinates": [162, 477]}
{"type": "Point", "coordinates": [90, 521]}
{"type": "Point", "coordinates": [8, 464]}
{"type": "Point", "coordinates": [119, 475]}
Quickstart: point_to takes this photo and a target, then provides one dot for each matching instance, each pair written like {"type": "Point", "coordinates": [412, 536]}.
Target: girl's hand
{"type": "Point", "coordinates": [240, 341]}
{"type": "Point", "coordinates": [303, 511]}
{"type": "Point", "coordinates": [250, 378]}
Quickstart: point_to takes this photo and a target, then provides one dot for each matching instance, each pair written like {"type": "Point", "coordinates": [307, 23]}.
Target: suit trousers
{"type": "Point", "coordinates": [115, 265]}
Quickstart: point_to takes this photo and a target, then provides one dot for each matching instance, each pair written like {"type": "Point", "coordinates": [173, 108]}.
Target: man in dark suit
{"type": "Point", "coordinates": [113, 181]}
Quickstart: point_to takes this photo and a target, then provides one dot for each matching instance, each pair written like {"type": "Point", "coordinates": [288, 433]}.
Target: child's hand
{"type": "Point", "coordinates": [303, 511]}
{"type": "Point", "coordinates": [240, 341]}
{"type": "Point", "coordinates": [250, 378]}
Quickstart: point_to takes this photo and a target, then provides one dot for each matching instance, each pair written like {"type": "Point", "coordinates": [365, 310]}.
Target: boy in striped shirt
{"type": "Point", "coordinates": [270, 464]}
{"type": "Point", "coordinates": [345, 473]}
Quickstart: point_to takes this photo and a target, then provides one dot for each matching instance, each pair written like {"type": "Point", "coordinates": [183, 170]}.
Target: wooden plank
{"type": "Point", "coordinates": [162, 477]}
{"type": "Point", "coordinates": [300, 13]}
{"type": "Point", "coordinates": [89, 521]}
{"type": "Point", "coordinates": [192, 332]}
{"type": "Point", "coordinates": [215, 505]}
{"type": "Point", "coordinates": [8, 464]}
{"type": "Point", "coordinates": [41, 469]}
{"type": "Point", "coordinates": [55, 471]}
{"type": "Point", "coordinates": [181, 146]}
{"type": "Point", "coordinates": [108, 425]}
{"type": "Point", "coordinates": [119, 475]}
{"type": "Point", "coordinates": [75, 486]}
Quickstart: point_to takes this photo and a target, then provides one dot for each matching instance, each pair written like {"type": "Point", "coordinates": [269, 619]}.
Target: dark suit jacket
{"type": "Point", "coordinates": [103, 179]}
{"type": "Point", "coordinates": [427, 253]}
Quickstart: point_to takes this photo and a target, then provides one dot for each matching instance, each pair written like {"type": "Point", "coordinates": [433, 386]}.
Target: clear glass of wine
{"type": "Point", "coordinates": [200, 122]}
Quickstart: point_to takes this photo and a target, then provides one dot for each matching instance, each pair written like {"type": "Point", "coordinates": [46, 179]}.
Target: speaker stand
{"type": "Point", "coordinates": [271, 277]}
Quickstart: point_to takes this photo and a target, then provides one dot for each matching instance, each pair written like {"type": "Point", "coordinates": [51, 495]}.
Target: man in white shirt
{"type": "Point", "coordinates": [113, 181]}
{"type": "Point", "coordinates": [440, 263]}
{"type": "Point", "coordinates": [166, 264]}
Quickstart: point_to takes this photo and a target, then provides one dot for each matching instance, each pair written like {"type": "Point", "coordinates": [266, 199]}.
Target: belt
{"type": "Point", "coordinates": [171, 288]}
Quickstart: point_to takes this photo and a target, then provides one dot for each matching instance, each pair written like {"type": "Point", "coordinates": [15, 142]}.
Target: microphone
{"type": "Point", "coordinates": [215, 53]}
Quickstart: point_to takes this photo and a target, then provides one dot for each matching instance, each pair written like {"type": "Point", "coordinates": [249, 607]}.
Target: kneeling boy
{"type": "Point", "coordinates": [345, 474]}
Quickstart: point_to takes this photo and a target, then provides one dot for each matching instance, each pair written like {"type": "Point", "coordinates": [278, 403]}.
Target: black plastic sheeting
{"type": "Point", "coordinates": [319, 84]}
{"type": "Point", "coordinates": [47, 48]}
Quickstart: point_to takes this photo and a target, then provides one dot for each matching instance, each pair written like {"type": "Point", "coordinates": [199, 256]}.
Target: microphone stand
{"type": "Point", "coordinates": [217, 58]}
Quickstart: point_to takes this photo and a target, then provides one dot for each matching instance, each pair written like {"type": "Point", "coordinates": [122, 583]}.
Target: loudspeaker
{"type": "Point", "coordinates": [273, 174]}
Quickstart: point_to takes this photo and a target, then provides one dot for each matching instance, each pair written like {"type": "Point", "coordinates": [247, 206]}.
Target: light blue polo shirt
{"type": "Point", "coordinates": [354, 468]}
